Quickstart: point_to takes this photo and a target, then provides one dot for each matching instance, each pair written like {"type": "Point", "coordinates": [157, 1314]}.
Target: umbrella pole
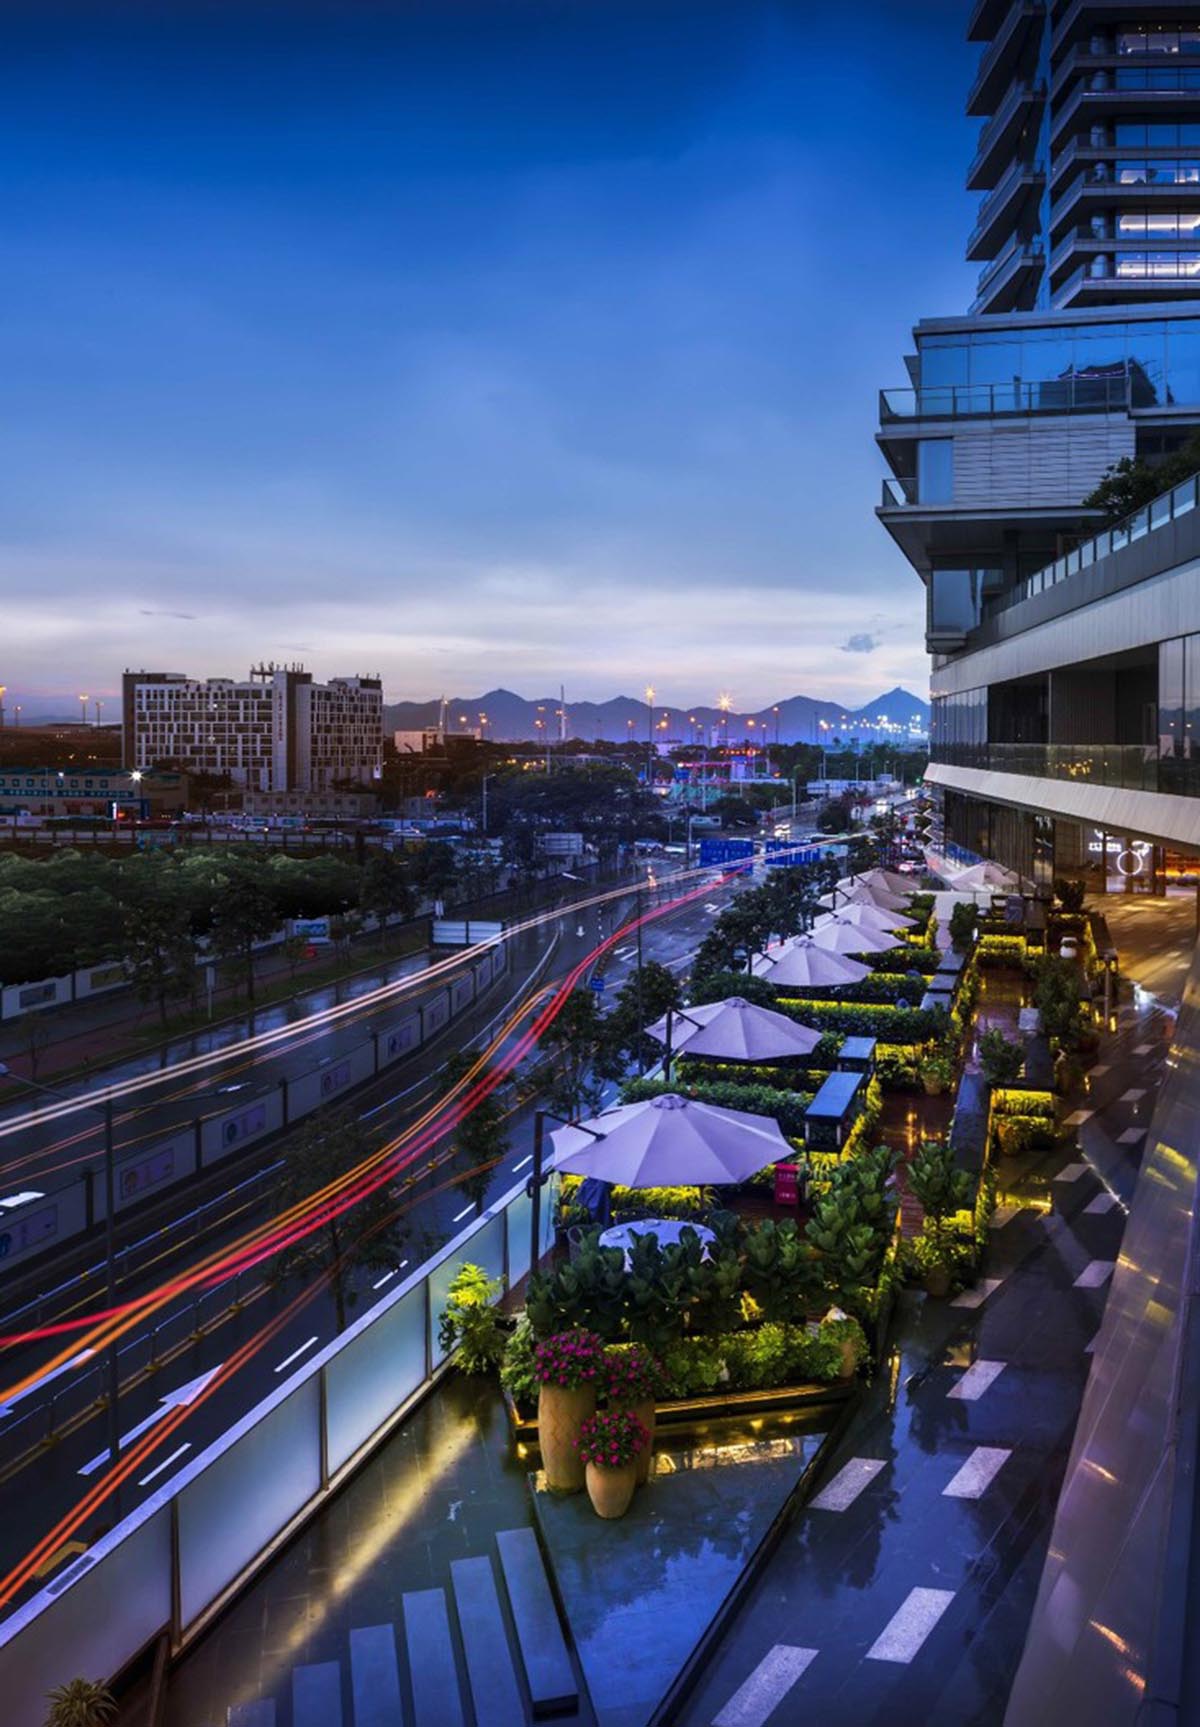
{"type": "Point", "coordinates": [641, 1005]}
{"type": "Point", "coordinates": [671, 1017]}
{"type": "Point", "coordinates": [535, 1208]}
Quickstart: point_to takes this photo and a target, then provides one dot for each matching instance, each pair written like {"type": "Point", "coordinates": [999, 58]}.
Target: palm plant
{"type": "Point", "coordinates": [81, 1703]}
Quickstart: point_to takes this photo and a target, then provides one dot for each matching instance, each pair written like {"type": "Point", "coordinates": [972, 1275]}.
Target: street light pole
{"type": "Point", "coordinates": [110, 1278]}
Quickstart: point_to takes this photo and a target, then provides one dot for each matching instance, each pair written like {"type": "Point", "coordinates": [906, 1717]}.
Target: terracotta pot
{"type": "Point", "coordinates": [561, 1413]}
{"type": "Point", "coordinates": [643, 1412]}
{"type": "Point", "coordinates": [611, 1490]}
{"type": "Point", "coordinates": [849, 1360]}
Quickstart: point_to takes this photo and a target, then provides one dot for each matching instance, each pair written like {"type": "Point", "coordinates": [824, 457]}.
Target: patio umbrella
{"type": "Point", "coordinates": [873, 917]}
{"type": "Point", "coordinates": [858, 893]}
{"type": "Point", "coordinates": [670, 1141]}
{"type": "Point", "coordinates": [736, 1030]}
{"type": "Point", "coordinates": [839, 935]}
{"type": "Point", "coordinates": [801, 963]}
{"type": "Point", "coordinates": [890, 880]}
{"type": "Point", "coordinates": [987, 874]}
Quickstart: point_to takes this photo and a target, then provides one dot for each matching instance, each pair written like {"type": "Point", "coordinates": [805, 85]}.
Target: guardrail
{"type": "Point", "coordinates": [170, 1566]}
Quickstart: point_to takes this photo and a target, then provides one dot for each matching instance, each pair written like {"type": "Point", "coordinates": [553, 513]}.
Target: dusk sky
{"type": "Point", "coordinates": [515, 343]}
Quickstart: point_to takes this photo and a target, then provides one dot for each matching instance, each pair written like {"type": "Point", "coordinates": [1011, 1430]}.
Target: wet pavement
{"type": "Point", "coordinates": [905, 1592]}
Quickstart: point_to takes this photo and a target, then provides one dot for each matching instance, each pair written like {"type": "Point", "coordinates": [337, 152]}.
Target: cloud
{"type": "Point", "coordinates": [146, 613]}
{"type": "Point", "coordinates": [860, 644]}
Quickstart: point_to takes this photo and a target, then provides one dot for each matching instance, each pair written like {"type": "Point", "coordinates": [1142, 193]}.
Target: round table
{"type": "Point", "coordinates": [667, 1229]}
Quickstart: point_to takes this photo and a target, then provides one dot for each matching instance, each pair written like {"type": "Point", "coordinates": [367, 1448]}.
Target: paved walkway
{"type": "Point", "coordinates": [905, 1592]}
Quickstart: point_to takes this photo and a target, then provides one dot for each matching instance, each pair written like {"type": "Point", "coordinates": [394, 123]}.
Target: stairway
{"type": "Point", "coordinates": [488, 1651]}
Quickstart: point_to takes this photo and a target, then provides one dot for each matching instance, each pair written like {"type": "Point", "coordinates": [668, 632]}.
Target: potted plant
{"type": "Point", "coordinates": [608, 1448]}
{"type": "Point", "coordinates": [81, 1703]}
{"type": "Point", "coordinates": [1000, 1058]}
{"type": "Point", "coordinates": [633, 1380]}
{"type": "Point", "coordinates": [942, 1189]}
{"type": "Point", "coordinates": [471, 1323]}
{"type": "Point", "coordinates": [838, 1328]}
{"type": "Point", "coordinates": [937, 1073]}
{"type": "Point", "coordinates": [568, 1366]}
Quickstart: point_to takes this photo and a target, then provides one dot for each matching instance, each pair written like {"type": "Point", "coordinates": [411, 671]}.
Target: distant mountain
{"type": "Point", "coordinates": [797, 719]}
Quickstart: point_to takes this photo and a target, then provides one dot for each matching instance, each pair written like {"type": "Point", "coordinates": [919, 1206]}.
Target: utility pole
{"type": "Point", "coordinates": [641, 997]}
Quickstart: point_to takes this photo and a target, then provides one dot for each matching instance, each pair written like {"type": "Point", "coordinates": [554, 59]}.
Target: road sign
{"type": "Point", "coordinates": [598, 984]}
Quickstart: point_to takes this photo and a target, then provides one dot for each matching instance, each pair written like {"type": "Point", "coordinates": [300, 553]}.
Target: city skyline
{"type": "Point", "coordinates": [306, 361]}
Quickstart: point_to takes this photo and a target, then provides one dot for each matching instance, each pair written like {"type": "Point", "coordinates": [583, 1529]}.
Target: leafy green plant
{"type": "Point", "coordinates": [939, 1185]}
{"type": "Point", "coordinates": [518, 1371]}
{"type": "Point", "coordinates": [842, 1332]}
{"type": "Point", "coordinates": [962, 924]}
{"type": "Point", "coordinates": [780, 1270]}
{"type": "Point", "coordinates": [937, 1072]}
{"type": "Point", "coordinates": [81, 1703]}
{"type": "Point", "coordinates": [470, 1323]}
{"type": "Point", "coordinates": [1000, 1057]}
{"type": "Point", "coordinates": [1069, 894]}
{"type": "Point", "coordinates": [786, 1107]}
{"type": "Point", "coordinates": [589, 1290]}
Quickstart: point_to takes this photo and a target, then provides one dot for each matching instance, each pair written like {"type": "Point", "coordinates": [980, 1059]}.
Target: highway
{"type": "Point", "coordinates": [170, 1358]}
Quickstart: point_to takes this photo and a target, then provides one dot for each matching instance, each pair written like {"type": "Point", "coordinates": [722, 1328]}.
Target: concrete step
{"type": "Point", "coordinates": [375, 1677]}
{"type": "Point", "coordinates": [495, 1691]}
{"type": "Point", "coordinates": [317, 1695]}
{"type": "Point", "coordinates": [548, 1670]}
{"type": "Point", "coordinates": [431, 1664]}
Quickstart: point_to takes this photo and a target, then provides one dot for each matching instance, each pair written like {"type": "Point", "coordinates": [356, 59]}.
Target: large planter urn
{"type": "Point", "coordinates": [562, 1410]}
{"type": "Point", "coordinates": [643, 1412]}
{"type": "Point", "coordinates": [937, 1281]}
{"type": "Point", "coordinates": [611, 1490]}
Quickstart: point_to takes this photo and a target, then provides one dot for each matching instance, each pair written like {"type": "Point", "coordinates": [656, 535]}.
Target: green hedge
{"type": "Point", "coordinates": [890, 1024]}
{"type": "Point", "coordinates": [906, 957]}
{"type": "Point", "coordinates": [787, 1107]}
{"type": "Point", "coordinates": [771, 1355]}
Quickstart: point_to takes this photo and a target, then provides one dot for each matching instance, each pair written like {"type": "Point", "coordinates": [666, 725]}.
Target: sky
{"type": "Point", "coordinates": [515, 342]}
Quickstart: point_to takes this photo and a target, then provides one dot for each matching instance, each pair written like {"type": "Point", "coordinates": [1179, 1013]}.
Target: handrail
{"type": "Point", "coordinates": [1179, 501]}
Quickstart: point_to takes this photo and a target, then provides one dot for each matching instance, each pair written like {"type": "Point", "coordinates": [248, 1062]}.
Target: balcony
{"type": "Point", "coordinates": [1002, 57]}
{"type": "Point", "coordinates": [1009, 278]}
{"type": "Point", "coordinates": [1085, 108]}
{"type": "Point", "coordinates": [1020, 108]}
{"type": "Point", "coordinates": [1131, 767]}
{"type": "Point", "coordinates": [1002, 210]}
{"type": "Point", "coordinates": [1153, 282]}
{"type": "Point", "coordinates": [1069, 395]}
{"type": "Point", "coordinates": [1081, 16]}
{"type": "Point", "coordinates": [986, 18]}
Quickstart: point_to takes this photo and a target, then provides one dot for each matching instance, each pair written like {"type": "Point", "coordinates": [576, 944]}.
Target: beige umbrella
{"type": "Point", "coordinates": [890, 880]}
{"type": "Point", "coordinates": [873, 917]}
{"type": "Point", "coordinates": [735, 1030]}
{"type": "Point", "coordinates": [802, 964]}
{"type": "Point", "coordinates": [670, 1141]}
{"type": "Point", "coordinates": [839, 935]}
{"type": "Point", "coordinates": [857, 893]}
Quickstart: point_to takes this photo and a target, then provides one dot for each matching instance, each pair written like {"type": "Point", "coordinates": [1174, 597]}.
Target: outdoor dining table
{"type": "Point", "coordinates": [667, 1229]}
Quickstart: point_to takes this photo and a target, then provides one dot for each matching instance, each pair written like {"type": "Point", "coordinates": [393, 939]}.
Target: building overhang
{"type": "Point", "coordinates": [1161, 817]}
{"type": "Point", "coordinates": [928, 532]}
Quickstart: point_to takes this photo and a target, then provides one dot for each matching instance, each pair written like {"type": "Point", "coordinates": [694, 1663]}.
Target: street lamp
{"type": "Point", "coordinates": [83, 702]}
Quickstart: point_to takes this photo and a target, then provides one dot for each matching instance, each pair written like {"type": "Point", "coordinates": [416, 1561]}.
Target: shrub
{"type": "Point", "coordinates": [569, 1360]}
{"type": "Point", "coordinates": [611, 1438]}
{"type": "Point", "coordinates": [940, 1186]}
{"type": "Point", "coordinates": [845, 1330]}
{"type": "Point", "coordinates": [81, 1703]}
{"type": "Point", "coordinates": [518, 1371]}
{"type": "Point", "coordinates": [1000, 1058]}
{"type": "Point", "coordinates": [1069, 894]}
{"type": "Point", "coordinates": [785, 1106]}
{"type": "Point", "coordinates": [963, 920]}
{"type": "Point", "coordinates": [890, 1024]}
{"type": "Point", "coordinates": [470, 1323]}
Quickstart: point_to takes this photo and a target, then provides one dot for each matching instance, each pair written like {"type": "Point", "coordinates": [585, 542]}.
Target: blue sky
{"type": "Point", "coordinates": [517, 342]}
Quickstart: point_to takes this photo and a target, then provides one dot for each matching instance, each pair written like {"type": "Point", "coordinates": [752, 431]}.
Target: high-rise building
{"type": "Point", "coordinates": [277, 731]}
{"type": "Point", "coordinates": [1063, 688]}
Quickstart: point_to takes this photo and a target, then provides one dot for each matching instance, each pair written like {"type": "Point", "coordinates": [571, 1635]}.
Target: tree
{"type": "Point", "coordinates": [434, 869]}
{"type": "Point", "coordinates": [156, 933]}
{"type": "Point", "coordinates": [1000, 1058]}
{"type": "Point", "coordinates": [386, 889]}
{"type": "Point", "coordinates": [245, 911]}
{"type": "Point", "coordinates": [1057, 998]}
{"type": "Point", "coordinates": [576, 1044]}
{"type": "Point", "coordinates": [1133, 482]}
{"type": "Point", "coordinates": [480, 1139]}
{"type": "Point", "coordinates": [368, 1236]}
{"type": "Point", "coordinates": [835, 816]}
{"type": "Point", "coordinates": [624, 1028]}
{"type": "Point", "coordinates": [940, 1187]}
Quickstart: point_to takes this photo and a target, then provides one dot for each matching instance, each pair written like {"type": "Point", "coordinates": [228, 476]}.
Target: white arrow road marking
{"type": "Point", "coordinates": [186, 1394]}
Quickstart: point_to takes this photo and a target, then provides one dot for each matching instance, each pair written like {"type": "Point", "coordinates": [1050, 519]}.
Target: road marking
{"type": "Point", "coordinates": [766, 1687]}
{"type": "Point", "coordinates": [386, 1278]}
{"type": "Point", "coordinates": [296, 1354]}
{"type": "Point", "coordinates": [1131, 1136]}
{"type": "Point", "coordinates": [66, 1367]}
{"type": "Point", "coordinates": [907, 1630]}
{"type": "Point", "coordinates": [1072, 1172]}
{"type": "Point", "coordinates": [1133, 1095]}
{"type": "Point", "coordinates": [624, 952]}
{"type": "Point", "coordinates": [977, 1473]}
{"type": "Point", "coordinates": [1103, 1202]}
{"type": "Point", "coordinates": [1090, 1348]}
{"type": "Point", "coordinates": [166, 1463]}
{"type": "Point", "coordinates": [847, 1484]}
{"type": "Point", "coordinates": [1095, 1274]}
{"type": "Point", "coordinates": [186, 1395]}
{"type": "Point", "coordinates": [1077, 1117]}
{"type": "Point", "coordinates": [465, 1212]}
{"type": "Point", "coordinates": [1143, 1049]}
{"type": "Point", "coordinates": [977, 1296]}
{"type": "Point", "coordinates": [523, 1162]}
{"type": "Point", "coordinates": [975, 1381]}
{"type": "Point", "coordinates": [1100, 1069]}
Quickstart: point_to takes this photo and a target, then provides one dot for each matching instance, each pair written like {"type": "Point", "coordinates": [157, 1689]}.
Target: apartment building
{"type": "Point", "coordinates": [275, 731]}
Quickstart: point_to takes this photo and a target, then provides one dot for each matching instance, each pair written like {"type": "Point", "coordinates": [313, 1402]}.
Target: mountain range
{"type": "Point", "coordinates": [797, 719]}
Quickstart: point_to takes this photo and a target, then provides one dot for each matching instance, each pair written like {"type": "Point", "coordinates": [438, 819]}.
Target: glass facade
{"type": "Point", "coordinates": [958, 729]}
{"type": "Point", "coordinates": [1179, 715]}
{"type": "Point", "coordinates": [1160, 357]}
{"type": "Point", "coordinates": [955, 601]}
{"type": "Point", "coordinates": [935, 471]}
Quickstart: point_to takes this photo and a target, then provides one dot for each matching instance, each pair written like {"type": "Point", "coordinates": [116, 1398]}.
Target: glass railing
{"type": "Point", "coordinates": [894, 495]}
{"type": "Point", "coordinates": [1071, 395]}
{"type": "Point", "coordinates": [1001, 119]}
{"type": "Point", "coordinates": [1021, 173]}
{"type": "Point", "coordinates": [1165, 508]}
{"type": "Point", "coordinates": [1132, 767]}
